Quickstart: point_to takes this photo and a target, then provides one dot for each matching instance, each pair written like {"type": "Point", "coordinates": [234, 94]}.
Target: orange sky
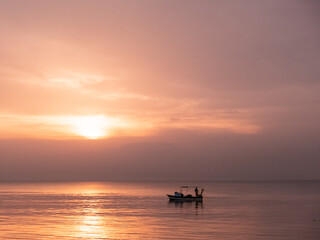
{"type": "Point", "coordinates": [73, 70]}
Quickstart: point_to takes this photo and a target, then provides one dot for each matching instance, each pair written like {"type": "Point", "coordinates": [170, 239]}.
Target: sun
{"type": "Point", "coordinates": [91, 127]}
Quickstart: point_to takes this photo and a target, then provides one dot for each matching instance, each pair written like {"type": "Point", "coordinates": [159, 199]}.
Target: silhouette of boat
{"type": "Point", "coordinates": [180, 196]}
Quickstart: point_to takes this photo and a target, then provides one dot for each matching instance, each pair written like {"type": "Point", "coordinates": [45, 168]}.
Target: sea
{"type": "Point", "coordinates": [279, 210]}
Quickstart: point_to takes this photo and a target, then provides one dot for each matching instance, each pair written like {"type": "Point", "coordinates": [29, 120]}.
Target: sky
{"type": "Point", "coordinates": [94, 90]}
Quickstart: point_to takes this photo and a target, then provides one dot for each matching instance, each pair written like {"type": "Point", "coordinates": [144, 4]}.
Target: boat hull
{"type": "Point", "coordinates": [185, 198]}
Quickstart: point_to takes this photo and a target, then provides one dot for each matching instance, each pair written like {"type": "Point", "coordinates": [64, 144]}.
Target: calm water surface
{"type": "Point", "coordinates": [113, 210]}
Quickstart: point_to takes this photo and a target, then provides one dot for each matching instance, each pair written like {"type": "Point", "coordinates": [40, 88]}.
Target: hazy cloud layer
{"type": "Point", "coordinates": [246, 71]}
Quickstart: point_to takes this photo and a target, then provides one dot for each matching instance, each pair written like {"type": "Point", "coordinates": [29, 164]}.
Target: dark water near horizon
{"type": "Point", "coordinates": [141, 210]}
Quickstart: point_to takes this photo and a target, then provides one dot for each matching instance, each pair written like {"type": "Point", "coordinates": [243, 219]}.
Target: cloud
{"type": "Point", "coordinates": [172, 155]}
{"type": "Point", "coordinates": [246, 69]}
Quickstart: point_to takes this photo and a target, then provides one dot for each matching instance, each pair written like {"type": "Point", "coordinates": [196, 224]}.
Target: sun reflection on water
{"type": "Point", "coordinates": [91, 227]}
{"type": "Point", "coordinates": [91, 224]}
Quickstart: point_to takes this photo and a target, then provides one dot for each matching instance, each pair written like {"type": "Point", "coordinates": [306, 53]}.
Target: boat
{"type": "Point", "coordinates": [181, 196]}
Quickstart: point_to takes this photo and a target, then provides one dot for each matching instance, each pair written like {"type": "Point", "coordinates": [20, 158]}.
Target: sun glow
{"type": "Point", "coordinates": [91, 127]}
{"type": "Point", "coordinates": [68, 127]}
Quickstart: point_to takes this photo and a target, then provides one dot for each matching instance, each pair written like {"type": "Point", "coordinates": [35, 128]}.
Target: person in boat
{"type": "Point", "coordinates": [201, 192]}
{"type": "Point", "coordinates": [196, 191]}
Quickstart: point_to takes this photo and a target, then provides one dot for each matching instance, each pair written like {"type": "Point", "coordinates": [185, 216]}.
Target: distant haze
{"type": "Point", "coordinates": [159, 90]}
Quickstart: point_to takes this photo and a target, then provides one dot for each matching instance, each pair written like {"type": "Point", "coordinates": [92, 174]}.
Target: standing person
{"type": "Point", "coordinates": [196, 191]}
{"type": "Point", "coordinates": [201, 192]}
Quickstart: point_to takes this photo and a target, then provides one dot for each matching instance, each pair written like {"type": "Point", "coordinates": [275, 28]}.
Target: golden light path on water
{"type": "Point", "coordinates": [96, 222]}
{"type": "Point", "coordinates": [91, 225]}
